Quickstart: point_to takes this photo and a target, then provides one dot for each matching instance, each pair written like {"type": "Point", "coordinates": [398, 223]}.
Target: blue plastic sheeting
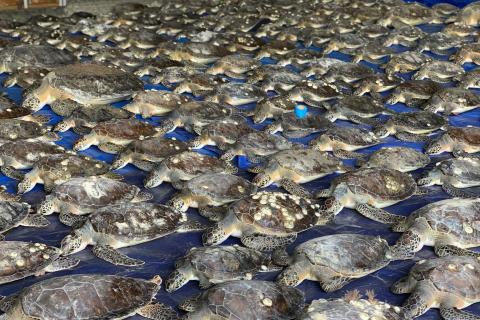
{"type": "Point", "coordinates": [458, 3]}
{"type": "Point", "coordinates": [160, 255]}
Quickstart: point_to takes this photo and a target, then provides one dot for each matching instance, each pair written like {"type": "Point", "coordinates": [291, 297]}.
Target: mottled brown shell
{"type": "Point", "coordinates": [131, 129]}
{"type": "Point", "coordinates": [470, 135]}
{"type": "Point", "coordinates": [29, 151]}
{"type": "Point", "coordinates": [220, 186]}
{"type": "Point", "coordinates": [15, 129]}
{"type": "Point", "coordinates": [41, 56]}
{"type": "Point", "coordinates": [352, 136]}
{"type": "Point", "coordinates": [157, 146]}
{"type": "Point", "coordinates": [8, 109]}
{"type": "Point", "coordinates": [69, 165]}
{"type": "Point", "coordinates": [194, 163]}
{"type": "Point", "coordinates": [12, 213]}
{"type": "Point", "coordinates": [305, 162]}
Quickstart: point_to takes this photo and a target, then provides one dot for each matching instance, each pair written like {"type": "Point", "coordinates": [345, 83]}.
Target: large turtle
{"type": "Point", "coordinates": [403, 159]}
{"type": "Point", "coordinates": [14, 214]}
{"type": "Point", "coordinates": [16, 129]}
{"type": "Point", "coordinates": [122, 225]}
{"type": "Point", "coordinates": [449, 283]}
{"type": "Point", "coordinates": [266, 221]}
{"type": "Point", "coordinates": [217, 264]}
{"type": "Point", "coordinates": [368, 191]}
{"type": "Point", "coordinates": [460, 141]}
{"type": "Point", "coordinates": [292, 126]}
{"type": "Point", "coordinates": [245, 299]}
{"type": "Point", "coordinates": [155, 103]}
{"type": "Point", "coordinates": [23, 259]}
{"type": "Point", "coordinates": [85, 83]}
{"type": "Point", "coordinates": [333, 260]}
{"type": "Point", "coordinates": [86, 296]}
{"type": "Point", "coordinates": [9, 110]}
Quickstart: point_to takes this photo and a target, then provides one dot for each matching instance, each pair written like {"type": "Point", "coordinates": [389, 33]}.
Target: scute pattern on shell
{"type": "Point", "coordinates": [125, 129]}
{"type": "Point", "coordinates": [470, 135]}
{"type": "Point", "coordinates": [11, 213]}
{"type": "Point", "coordinates": [306, 161]}
{"type": "Point", "coordinates": [194, 163]}
{"type": "Point", "coordinates": [220, 185]}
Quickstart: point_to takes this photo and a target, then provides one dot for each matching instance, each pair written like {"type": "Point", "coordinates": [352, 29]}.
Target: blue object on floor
{"type": "Point", "coordinates": [301, 111]}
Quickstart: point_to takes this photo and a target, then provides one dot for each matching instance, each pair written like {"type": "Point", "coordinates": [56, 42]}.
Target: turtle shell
{"type": "Point", "coordinates": [222, 186]}
{"type": "Point", "coordinates": [202, 111]}
{"type": "Point", "coordinates": [276, 212]}
{"type": "Point", "coordinates": [418, 87]}
{"type": "Point", "coordinates": [419, 120]}
{"type": "Point", "coordinates": [262, 143]}
{"type": "Point", "coordinates": [9, 110]}
{"type": "Point", "coordinates": [359, 105]}
{"type": "Point", "coordinates": [348, 254]}
{"type": "Point", "coordinates": [312, 121]}
{"type": "Point", "coordinates": [464, 169]}
{"type": "Point", "coordinates": [158, 147]}
{"type": "Point", "coordinates": [28, 152]}
{"type": "Point", "coordinates": [100, 113]}
{"type": "Point", "coordinates": [469, 135]}
{"type": "Point", "coordinates": [85, 297]}
{"type": "Point", "coordinates": [194, 163]}
{"type": "Point", "coordinates": [22, 259]}
{"type": "Point", "coordinates": [352, 136]}
{"type": "Point", "coordinates": [15, 129]}
{"type": "Point", "coordinates": [228, 129]}
{"type": "Point", "coordinates": [305, 161]}
{"type": "Point", "coordinates": [378, 183]}
{"type": "Point", "coordinates": [69, 165]}
{"type": "Point", "coordinates": [239, 90]}
{"type": "Point", "coordinates": [129, 129]}
{"type": "Point", "coordinates": [252, 299]}
{"type": "Point", "coordinates": [12, 213]}
{"type": "Point", "coordinates": [40, 56]}
{"type": "Point", "coordinates": [398, 158]}
{"type": "Point", "coordinates": [94, 192]}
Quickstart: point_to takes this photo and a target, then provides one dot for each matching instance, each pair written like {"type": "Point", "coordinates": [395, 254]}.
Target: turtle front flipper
{"type": "Point", "coordinates": [411, 241]}
{"type": "Point", "coordinates": [35, 220]}
{"type": "Point", "coordinates": [212, 213]}
{"type": "Point", "coordinates": [263, 242]}
{"type": "Point", "coordinates": [449, 250]}
{"type": "Point", "coordinates": [462, 154]}
{"type": "Point", "coordinates": [190, 304]}
{"type": "Point", "coordinates": [411, 137]}
{"type": "Point", "coordinates": [455, 314]}
{"type": "Point", "coordinates": [176, 280]}
{"type": "Point", "coordinates": [7, 303]}
{"type": "Point", "coordinates": [344, 154]}
{"type": "Point", "coordinates": [12, 173]}
{"type": "Point", "coordinates": [273, 128]}
{"type": "Point", "coordinates": [378, 214]}
{"type": "Point", "coordinates": [158, 311]}
{"type": "Point", "coordinates": [294, 274]}
{"type": "Point", "coordinates": [294, 188]}
{"type": "Point", "coordinates": [71, 220]}
{"type": "Point", "coordinates": [111, 148]}
{"type": "Point", "coordinates": [111, 255]}
{"type": "Point", "coordinates": [144, 165]}
{"type": "Point", "coordinates": [457, 192]}
{"type": "Point", "coordinates": [330, 284]}
{"type": "Point", "coordinates": [419, 302]}
{"type": "Point", "coordinates": [62, 263]}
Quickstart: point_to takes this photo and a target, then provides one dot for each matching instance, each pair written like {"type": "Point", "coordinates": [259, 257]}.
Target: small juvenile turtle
{"type": "Point", "coordinates": [155, 103]}
{"type": "Point", "coordinates": [217, 264]}
{"type": "Point", "coordinates": [123, 225]}
{"type": "Point", "coordinates": [451, 226]}
{"type": "Point", "coordinates": [358, 109]}
{"type": "Point", "coordinates": [333, 260]}
{"type": "Point", "coordinates": [170, 75]}
{"type": "Point", "coordinates": [372, 52]}
{"type": "Point", "coordinates": [460, 141]}
{"type": "Point", "coordinates": [468, 53]}
{"type": "Point", "coordinates": [414, 93]}
{"type": "Point", "coordinates": [266, 221]}
{"type": "Point", "coordinates": [245, 299]}
{"type": "Point", "coordinates": [234, 66]}
{"type": "Point", "coordinates": [25, 77]}
{"type": "Point", "coordinates": [200, 84]}
{"type": "Point", "coordinates": [313, 92]}
{"type": "Point", "coordinates": [272, 107]}
{"type": "Point", "coordinates": [155, 66]}
{"type": "Point", "coordinates": [439, 43]}
{"type": "Point", "coordinates": [368, 191]}
{"type": "Point", "coordinates": [84, 83]}
{"type": "Point", "coordinates": [256, 145]}
{"type": "Point", "coordinates": [344, 42]}
{"type": "Point", "coordinates": [145, 153]}
{"type": "Point", "coordinates": [439, 71]}
{"type": "Point", "coordinates": [452, 100]}
{"type": "Point", "coordinates": [289, 168]}
{"type": "Point", "coordinates": [470, 80]}
{"type": "Point", "coordinates": [347, 72]}
{"type": "Point", "coordinates": [448, 283]}
{"type": "Point", "coordinates": [14, 214]}
{"type": "Point", "coordinates": [459, 30]}
{"type": "Point", "coordinates": [185, 166]}
{"type": "Point", "coordinates": [411, 14]}
{"type": "Point", "coordinates": [453, 175]}
{"type": "Point", "coordinates": [274, 78]}
{"type": "Point", "coordinates": [320, 66]}
{"type": "Point", "coordinates": [405, 62]}
{"type": "Point", "coordinates": [23, 259]}
{"type": "Point", "coordinates": [299, 57]}
{"type": "Point", "coordinates": [342, 141]}
{"type": "Point", "coordinates": [83, 195]}
{"type": "Point", "coordinates": [399, 158]}
{"type": "Point", "coordinates": [293, 127]}
{"type": "Point", "coordinates": [112, 136]}
{"type": "Point", "coordinates": [86, 296]}
{"type": "Point", "coordinates": [17, 129]}
{"type": "Point", "coordinates": [412, 126]}
{"type": "Point", "coordinates": [469, 15]}
{"type": "Point", "coordinates": [376, 84]}
{"type": "Point", "coordinates": [236, 94]}
{"type": "Point", "coordinates": [9, 110]}
{"type": "Point", "coordinates": [275, 48]}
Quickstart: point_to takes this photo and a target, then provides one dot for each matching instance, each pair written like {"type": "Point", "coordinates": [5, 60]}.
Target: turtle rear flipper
{"type": "Point", "coordinates": [158, 311]}
{"type": "Point", "coordinates": [295, 189]}
{"type": "Point", "coordinates": [378, 214]}
{"type": "Point", "coordinates": [449, 250]}
{"type": "Point", "coordinates": [62, 263]}
{"type": "Point", "coordinates": [191, 226]}
{"type": "Point", "coordinates": [71, 220]}
{"type": "Point", "coordinates": [35, 220]}
{"type": "Point", "coordinates": [455, 314]}
{"type": "Point", "coordinates": [212, 213]}
{"type": "Point", "coordinates": [262, 242]}
{"type": "Point", "coordinates": [334, 283]}
{"type": "Point", "coordinates": [460, 193]}
{"type": "Point", "coordinates": [113, 176]}
{"type": "Point", "coordinates": [111, 255]}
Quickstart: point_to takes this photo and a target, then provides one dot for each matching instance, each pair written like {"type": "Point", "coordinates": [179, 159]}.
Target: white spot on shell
{"type": "Point", "coordinates": [20, 263]}
{"type": "Point", "coordinates": [267, 302]}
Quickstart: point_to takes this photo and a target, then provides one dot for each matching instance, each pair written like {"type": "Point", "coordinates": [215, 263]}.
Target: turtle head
{"type": "Point", "coordinates": [197, 143]}
{"type": "Point", "coordinates": [154, 178]}
{"type": "Point", "coordinates": [73, 243]}
{"type": "Point", "coordinates": [64, 125]}
{"type": "Point", "coordinates": [262, 180]}
{"type": "Point", "coordinates": [132, 107]}
{"type": "Point", "coordinates": [381, 131]}
{"type": "Point", "coordinates": [177, 279]}
{"type": "Point", "coordinates": [429, 179]}
{"type": "Point", "coordinates": [121, 161]}
{"type": "Point", "coordinates": [215, 235]}
{"type": "Point", "coordinates": [404, 285]}
{"type": "Point", "coordinates": [84, 142]}
{"type": "Point", "coordinates": [48, 206]}
{"type": "Point", "coordinates": [435, 147]}
{"type": "Point", "coordinates": [26, 184]}
{"type": "Point", "coordinates": [32, 102]}
{"type": "Point", "coordinates": [179, 203]}
{"type": "Point", "coordinates": [261, 113]}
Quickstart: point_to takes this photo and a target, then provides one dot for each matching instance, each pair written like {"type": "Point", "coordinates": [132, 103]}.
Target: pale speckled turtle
{"type": "Point", "coordinates": [452, 101]}
{"type": "Point", "coordinates": [376, 84]}
{"type": "Point", "coordinates": [439, 71]}
{"type": "Point", "coordinates": [155, 103]}
{"type": "Point", "coordinates": [236, 94]}
{"type": "Point", "coordinates": [200, 84]}
{"type": "Point", "coordinates": [16, 129]}
{"type": "Point", "coordinates": [112, 136]}
{"type": "Point", "coordinates": [289, 168]}
{"type": "Point", "coordinates": [85, 297]}
{"type": "Point", "coordinates": [453, 175]}
{"type": "Point", "coordinates": [411, 126]}
{"type": "Point", "coordinates": [84, 83]}
{"type": "Point", "coordinates": [405, 62]}
{"type": "Point", "coordinates": [459, 30]}
{"type": "Point", "coordinates": [368, 191]}
{"type": "Point", "coordinates": [342, 141]}
{"type": "Point", "coordinates": [14, 214]}
{"type": "Point", "coordinates": [245, 299]}
{"type": "Point", "coordinates": [56, 169]}
{"type": "Point", "coordinates": [468, 53]}
{"type": "Point", "coordinates": [413, 93]}
{"type": "Point", "coordinates": [275, 48]}
{"type": "Point", "coordinates": [403, 159]}
{"type": "Point", "coordinates": [217, 264]}
{"type": "Point", "coordinates": [452, 226]}
{"type": "Point", "coordinates": [234, 66]}
{"type": "Point", "coordinates": [359, 109]}
{"type": "Point", "coordinates": [145, 153]}
{"type": "Point", "coordinates": [333, 260]}
{"type": "Point", "coordinates": [313, 92]}
{"type": "Point", "coordinates": [459, 141]}
{"type": "Point", "coordinates": [123, 225]}
{"type": "Point", "coordinates": [448, 283]}
{"type": "Point", "coordinates": [9, 110]}
{"type": "Point", "coordinates": [292, 126]}
{"type": "Point", "coordinates": [256, 145]}
{"type": "Point", "coordinates": [23, 259]}
{"type": "Point", "coordinates": [185, 166]}
{"type": "Point", "coordinates": [266, 221]}
{"type": "Point", "coordinates": [272, 107]}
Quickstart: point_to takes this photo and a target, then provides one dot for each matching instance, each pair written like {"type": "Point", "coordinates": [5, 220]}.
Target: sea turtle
{"type": "Point", "coordinates": [413, 93]}
{"type": "Point", "coordinates": [86, 83]}
{"type": "Point", "coordinates": [217, 264]}
{"type": "Point", "coordinates": [439, 71]}
{"type": "Point", "coordinates": [170, 75]}
{"type": "Point", "coordinates": [368, 191]}
{"type": "Point", "coordinates": [289, 168]}
{"type": "Point", "coordinates": [14, 214]}
{"type": "Point", "coordinates": [199, 84]}
{"type": "Point", "coordinates": [123, 225]}
{"type": "Point", "coordinates": [198, 53]}
{"type": "Point", "coordinates": [256, 145]}
{"type": "Point", "coordinates": [411, 126]}
{"type": "Point", "coordinates": [112, 136]}
{"type": "Point", "coordinates": [17, 129]}
{"type": "Point", "coordinates": [83, 195]}
{"type": "Point", "coordinates": [453, 175]}
{"type": "Point", "coordinates": [403, 159]}
{"type": "Point", "coordinates": [470, 80]}
{"type": "Point", "coordinates": [152, 67]}
{"type": "Point", "coordinates": [344, 42]}
{"type": "Point", "coordinates": [448, 283]}
{"type": "Point", "coordinates": [155, 103]}
{"type": "Point", "coordinates": [372, 52]}
{"type": "Point", "coordinates": [451, 226]}
{"type": "Point", "coordinates": [245, 299]}
{"type": "Point", "coordinates": [266, 221]}
{"type": "Point", "coordinates": [9, 110]}
{"type": "Point", "coordinates": [405, 62]}
{"type": "Point", "coordinates": [439, 43]}
{"type": "Point", "coordinates": [333, 260]}
{"type": "Point", "coordinates": [313, 92]}
{"type": "Point", "coordinates": [86, 296]}
{"type": "Point", "coordinates": [24, 259]}
{"type": "Point", "coordinates": [460, 141]}
{"type": "Point", "coordinates": [411, 14]}
{"type": "Point", "coordinates": [452, 101]}
{"type": "Point", "coordinates": [468, 15]}
{"type": "Point", "coordinates": [274, 78]}
{"type": "Point", "coordinates": [56, 169]}
{"type": "Point", "coordinates": [347, 72]}
{"type": "Point", "coordinates": [145, 153]}
{"type": "Point", "coordinates": [376, 84]}
{"type": "Point", "coordinates": [25, 77]}
{"type": "Point", "coordinates": [320, 66]}
{"type": "Point", "coordinates": [185, 166]}
{"type": "Point", "coordinates": [459, 30]}
{"type": "Point", "coordinates": [468, 53]}
{"type": "Point", "coordinates": [292, 126]}
{"type": "Point", "coordinates": [342, 141]}
{"type": "Point", "coordinates": [235, 94]}
{"type": "Point", "coordinates": [275, 48]}
{"type": "Point", "coordinates": [272, 107]}
{"type": "Point", "coordinates": [234, 66]}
